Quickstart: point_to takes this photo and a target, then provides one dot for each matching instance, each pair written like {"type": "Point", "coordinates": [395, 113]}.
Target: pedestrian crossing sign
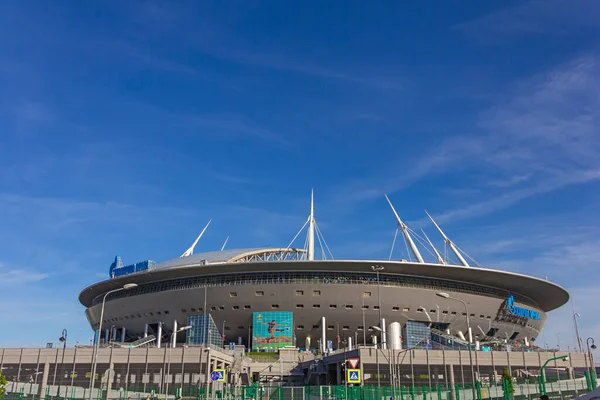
{"type": "Point", "coordinates": [353, 375]}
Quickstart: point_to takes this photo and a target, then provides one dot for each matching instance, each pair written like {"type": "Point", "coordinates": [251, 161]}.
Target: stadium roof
{"type": "Point", "coordinates": [226, 256]}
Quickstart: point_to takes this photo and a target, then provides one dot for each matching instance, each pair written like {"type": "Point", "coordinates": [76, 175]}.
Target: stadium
{"type": "Point", "coordinates": [269, 298]}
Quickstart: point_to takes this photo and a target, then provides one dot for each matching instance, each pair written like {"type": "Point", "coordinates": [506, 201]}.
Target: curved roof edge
{"type": "Point", "coordinates": [548, 295]}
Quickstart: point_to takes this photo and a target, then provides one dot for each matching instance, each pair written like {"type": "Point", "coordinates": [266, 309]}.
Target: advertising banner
{"type": "Point", "coordinates": [272, 330]}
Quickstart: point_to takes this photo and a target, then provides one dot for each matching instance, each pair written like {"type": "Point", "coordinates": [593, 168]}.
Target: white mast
{"type": "Point", "coordinates": [223, 247]}
{"type": "Point", "coordinates": [404, 228]}
{"type": "Point", "coordinates": [311, 229]}
{"type": "Point", "coordinates": [437, 253]}
{"type": "Point", "coordinates": [450, 243]}
{"type": "Point", "coordinates": [190, 251]}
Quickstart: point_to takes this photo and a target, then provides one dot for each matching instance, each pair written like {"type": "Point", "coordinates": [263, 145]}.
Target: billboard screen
{"type": "Point", "coordinates": [272, 330]}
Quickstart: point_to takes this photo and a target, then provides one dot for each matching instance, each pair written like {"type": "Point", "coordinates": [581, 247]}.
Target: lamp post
{"type": "Point", "coordinates": [63, 339]}
{"type": "Point", "coordinates": [579, 340]}
{"type": "Point", "coordinates": [542, 380]}
{"type": "Point", "coordinates": [447, 296]}
{"type": "Point", "coordinates": [592, 366]}
{"type": "Point", "coordinates": [389, 359]}
{"type": "Point", "coordinates": [377, 269]}
{"type": "Point", "coordinates": [95, 355]}
{"type": "Point", "coordinates": [183, 328]}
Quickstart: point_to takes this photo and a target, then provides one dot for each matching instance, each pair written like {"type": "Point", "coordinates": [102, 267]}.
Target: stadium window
{"type": "Point", "coordinates": [166, 312]}
{"type": "Point", "coordinates": [139, 315]}
{"type": "Point", "coordinates": [482, 316]}
{"type": "Point", "coordinates": [227, 328]}
{"type": "Point", "coordinates": [420, 309]}
{"type": "Point", "coordinates": [316, 292]}
{"type": "Point", "coordinates": [300, 327]}
{"type": "Point", "coordinates": [247, 307]}
{"type": "Point", "coordinates": [259, 293]}
{"type": "Point", "coordinates": [453, 313]}
{"type": "Point", "coordinates": [472, 315]}
{"type": "Point", "coordinates": [360, 327]}
{"type": "Point", "coordinates": [299, 292]}
{"type": "Point", "coordinates": [333, 306]}
{"type": "Point", "coordinates": [192, 309]}
{"type": "Point", "coordinates": [236, 307]}
{"type": "Point", "coordinates": [444, 312]}
{"type": "Point", "coordinates": [213, 308]}
{"type": "Point", "coordinates": [315, 326]}
{"type": "Point", "coordinates": [221, 307]}
{"type": "Point", "coordinates": [366, 294]}
{"type": "Point", "coordinates": [158, 313]}
{"type": "Point", "coordinates": [348, 306]}
{"type": "Point", "coordinates": [364, 307]}
{"type": "Point", "coordinates": [406, 309]}
{"type": "Point", "coordinates": [464, 314]}
{"type": "Point", "coordinates": [240, 327]}
{"type": "Point", "coordinates": [127, 317]}
{"type": "Point", "coordinates": [183, 310]}
{"type": "Point", "coordinates": [200, 309]}
{"type": "Point", "coordinates": [432, 311]}
{"type": "Point", "coordinates": [316, 306]}
{"type": "Point", "coordinates": [274, 305]}
{"type": "Point", "coordinates": [299, 305]}
{"type": "Point", "coordinates": [488, 317]}
{"type": "Point", "coordinates": [330, 327]}
{"type": "Point", "coordinates": [346, 327]}
{"type": "Point", "coordinates": [232, 294]}
{"type": "Point", "coordinates": [395, 308]}
{"type": "Point", "coordinates": [151, 314]}
{"type": "Point", "coordinates": [375, 307]}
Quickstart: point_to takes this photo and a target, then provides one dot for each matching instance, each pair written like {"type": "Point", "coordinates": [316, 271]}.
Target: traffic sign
{"type": "Point", "coordinates": [354, 376]}
{"type": "Point", "coordinates": [218, 375]}
{"type": "Point", "coordinates": [353, 362]}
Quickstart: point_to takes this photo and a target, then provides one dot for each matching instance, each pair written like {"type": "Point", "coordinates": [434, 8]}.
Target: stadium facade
{"type": "Point", "coordinates": [268, 298]}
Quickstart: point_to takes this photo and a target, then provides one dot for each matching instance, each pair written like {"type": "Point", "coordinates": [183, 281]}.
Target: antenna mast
{"type": "Point", "coordinates": [450, 243]}
{"type": "Point", "coordinates": [407, 236]}
{"type": "Point", "coordinates": [311, 228]}
{"type": "Point", "coordinates": [190, 251]}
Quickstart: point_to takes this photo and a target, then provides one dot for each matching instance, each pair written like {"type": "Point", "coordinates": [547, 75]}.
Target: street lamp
{"type": "Point", "coordinates": [579, 340]}
{"type": "Point", "coordinates": [447, 296]}
{"type": "Point", "coordinates": [377, 269]}
{"type": "Point", "coordinates": [592, 366]}
{"type": "Point", "coordinates": [183, 328]}
{"type": "Point", "coordinates": [384, 336]}
{"type": "Point", "coordinates": [63, 339]}
{"type": "Point", "coordinates": [541, 379]}
{"type": "Point", "coordinates": [127, 286]}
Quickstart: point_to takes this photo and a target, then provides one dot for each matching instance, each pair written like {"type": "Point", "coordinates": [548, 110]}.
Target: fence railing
{"type": "Point", "coordinates": [565, 389]}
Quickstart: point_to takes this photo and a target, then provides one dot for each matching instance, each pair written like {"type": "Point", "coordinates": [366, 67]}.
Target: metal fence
{"type": "Point", "coordinates": [566, 389]}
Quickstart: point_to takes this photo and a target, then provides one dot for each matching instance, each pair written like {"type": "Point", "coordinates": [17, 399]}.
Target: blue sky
{"type": "Point", "coordinates": [125, 126]}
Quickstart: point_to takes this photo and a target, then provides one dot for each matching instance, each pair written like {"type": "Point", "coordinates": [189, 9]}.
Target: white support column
{"type": "Point", "coordinates": [311, 229]}
{"type": "Point", "coordinates": [384, 338]}
{"type": "Point", "coordinates": [174, 334]}
{"type": "Point", "coordinates": [470, 336]}
{"type": "Point", "coordinates": [106, 335]}
{"type": "Point", "coordinates": [323, 336]}
{"type": "Point", "coordinates": [145, 330]}
{"type": "Point", "coordinates": [114, 334]}
{"type": "Point", "coordinates": [349, 343]}
{"type": "Point", "coordinates": [159, 335]}
{"type": "Point", "coordinates": [123, 334]}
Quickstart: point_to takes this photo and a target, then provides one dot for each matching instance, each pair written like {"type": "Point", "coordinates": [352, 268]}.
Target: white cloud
{"type": "Point", "coordinates": [18, 276]}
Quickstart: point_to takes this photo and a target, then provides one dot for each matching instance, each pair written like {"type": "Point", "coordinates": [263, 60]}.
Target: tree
{"type": "Point", "coordinates": [3, 383]}
{"type": "Point", "coordinates": [507, 384]}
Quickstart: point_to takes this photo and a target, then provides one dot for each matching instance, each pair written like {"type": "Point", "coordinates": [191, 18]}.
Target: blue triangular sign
{"type": "Point", "coordinates": [353, 376]}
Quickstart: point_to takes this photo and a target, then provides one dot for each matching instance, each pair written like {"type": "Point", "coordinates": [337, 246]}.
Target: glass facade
{"type": "Point", "coordinates": [203, 331]}
{"type": "Point", "coordinates": [272, 330]}
{"type": "Point", "coordinates": [417, 334]}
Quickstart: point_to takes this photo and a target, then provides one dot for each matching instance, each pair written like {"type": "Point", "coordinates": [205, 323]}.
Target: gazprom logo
{"type": "Point", "coordinates": [521, 312]}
